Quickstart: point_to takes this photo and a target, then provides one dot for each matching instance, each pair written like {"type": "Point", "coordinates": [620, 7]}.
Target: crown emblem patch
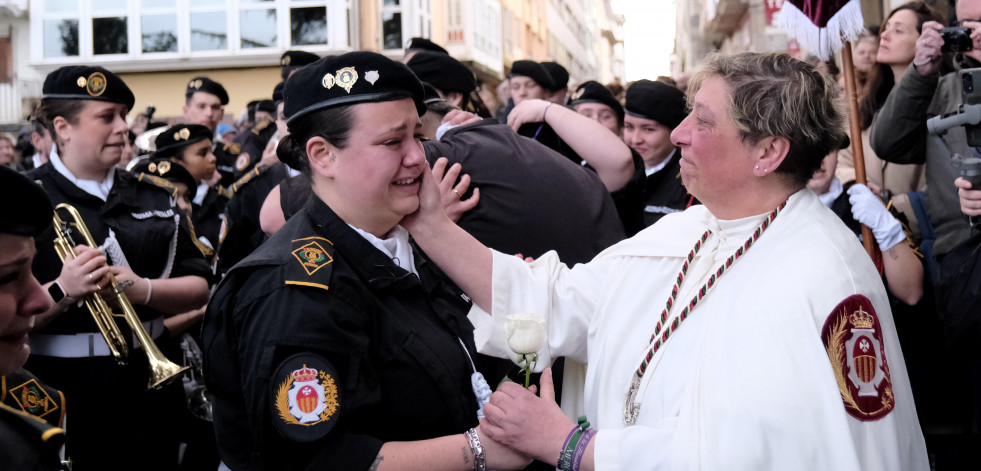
{"type": "Point", "coordinates": [306, 399]}
{"type": "Point", "coordinates": [346, 78]}
{"type": "Point", "coordinates": [96, 84]}
{"type": "Point", "coordinates": [853, 338]}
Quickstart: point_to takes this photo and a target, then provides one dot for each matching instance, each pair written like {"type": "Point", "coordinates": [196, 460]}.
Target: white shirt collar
{"type": "Point", "coordinates": [99, 189]}
{"type": "Point", "coordinates": [658, 167]}
{"type": "Point", "coordinates": [833, 193]}
{"type": "Point", "coordinates": [202, 192]}
{"type": "Point", "coordinates": [396, 247]}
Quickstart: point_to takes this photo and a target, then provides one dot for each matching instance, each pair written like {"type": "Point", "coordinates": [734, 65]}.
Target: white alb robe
{"type": "Point", "coordinates": [745, 383]}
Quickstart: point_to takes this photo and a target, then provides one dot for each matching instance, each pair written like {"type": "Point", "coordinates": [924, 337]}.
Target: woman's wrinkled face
{"type": "Point", "coordinates": [897, 41]}
{"type": "Point", "coordinates": [375, 179]}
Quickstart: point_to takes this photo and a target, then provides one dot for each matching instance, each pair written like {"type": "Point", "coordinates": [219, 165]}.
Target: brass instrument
{"type": "Point", "coordinates": [162, 370]}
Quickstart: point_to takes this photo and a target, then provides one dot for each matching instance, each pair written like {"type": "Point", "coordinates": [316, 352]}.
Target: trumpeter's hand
{"type": "Point", "coordinates": [85, 273]}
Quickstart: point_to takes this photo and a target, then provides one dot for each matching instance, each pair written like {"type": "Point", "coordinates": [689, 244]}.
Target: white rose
{"type": "Point", "coordinates": [526, 333]}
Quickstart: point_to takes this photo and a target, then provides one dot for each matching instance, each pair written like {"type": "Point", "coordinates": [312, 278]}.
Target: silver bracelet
{"type": "Point", "coordinates": [479, 460]}
{"type": "Point", "coordinates": [149, 291]}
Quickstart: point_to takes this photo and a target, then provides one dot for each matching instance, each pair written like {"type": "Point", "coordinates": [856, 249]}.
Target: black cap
{"type": "Point", "coordinates": [297, 58]}
{"type": "Point", "coordinates": [443, 72]}
{"type": "Point", "coordinates": [81, 82]}
{"type": "Point", "coordinates": [170, 171]}
{"type": "Point", "coordinates": [560, 76]}
{"type": "Point", "coordinates": [595, 92]}
{"type": "Point", "coordinates": [278, 92]}
{"type": "Point", "coordinates": [347, 79]}
{"type": "Point", "coordinates": [430, 94]}
{"type": "Point", "coordinates": [425, 45]}
{"type": "Point", "coordinates": [533, 70]}
{"type": "Point", "coordinates": [27, 211]}
{"type": "Point", "coordinates": [206, 85]}
{"type": "Point", "coordinates": [658, 101]}
{"type": "Point", "coordinates": [175, 139]}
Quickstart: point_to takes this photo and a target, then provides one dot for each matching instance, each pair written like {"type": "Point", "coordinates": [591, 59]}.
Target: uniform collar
{"type": "Point", "coordinates": [664, 163]}
{"type": "Point", "coordinates": [99, 189]}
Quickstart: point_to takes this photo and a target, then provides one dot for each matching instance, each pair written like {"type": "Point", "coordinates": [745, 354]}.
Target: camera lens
{"type": "Point", "coordinates": [968, 84]}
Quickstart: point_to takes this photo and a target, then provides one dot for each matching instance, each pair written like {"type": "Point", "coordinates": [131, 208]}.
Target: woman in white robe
{"type": "Point", "coordinates": [778, 349]}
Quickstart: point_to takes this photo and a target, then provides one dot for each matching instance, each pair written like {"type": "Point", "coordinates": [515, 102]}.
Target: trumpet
{"type": "Point", "coordinates": [162, 370]}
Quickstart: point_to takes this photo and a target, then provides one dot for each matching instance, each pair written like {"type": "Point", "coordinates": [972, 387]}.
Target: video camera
{"type": "Point", "coordinates": [968, 115]}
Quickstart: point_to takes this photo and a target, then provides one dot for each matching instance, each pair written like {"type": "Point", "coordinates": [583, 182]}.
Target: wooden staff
{"type": "Point", "coordinates": [858, 153]}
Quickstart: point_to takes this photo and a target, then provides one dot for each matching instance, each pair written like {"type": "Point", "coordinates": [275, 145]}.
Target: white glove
{"type": "Point", "coordinates": [869, 210]}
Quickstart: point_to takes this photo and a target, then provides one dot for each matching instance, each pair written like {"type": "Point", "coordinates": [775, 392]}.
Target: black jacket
{"type": "Point", "coordinates": [317, 300]}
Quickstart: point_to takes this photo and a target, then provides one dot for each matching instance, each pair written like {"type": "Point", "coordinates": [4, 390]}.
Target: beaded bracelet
{"type": "Point", "coordinates": [479, 459]}
{"type": "Point", "coordinates": [565, 458]}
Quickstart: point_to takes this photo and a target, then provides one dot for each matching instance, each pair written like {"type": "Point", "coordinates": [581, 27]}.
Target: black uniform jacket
{"type": "Point", "coordinates": [317, 302]}
{"type": "Point", "coordinates": [151, 230]}
{"type": "Point", "coordinates": [242, 233]}
{"type": "Point", "coordinates": [29, 443]}
{"type": "Point", "coordinates": [207, 216]}
{"type": "Point", "coordinates": [532, 199]}
{"type": "Point", "coordinates": [664, 192]}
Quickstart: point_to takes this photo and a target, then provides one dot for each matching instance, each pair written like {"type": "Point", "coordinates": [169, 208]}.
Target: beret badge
{"type": "Point", "coordinates": [346, 78]}
{"type": "Point", "coordinates": [328, 81]}
{"type": "Point", "coordinates": [285, 62]}
{"type": "Point", "coordinates": [371, 76]}
{"type": "Point", "coordinates": [197, 83]}
{"type": "Point", "coordinates": [182, 135]}
{"type": "Point", "coordinates": [578, 94]}
{"type": "Point", "coordinates": [96, 84]}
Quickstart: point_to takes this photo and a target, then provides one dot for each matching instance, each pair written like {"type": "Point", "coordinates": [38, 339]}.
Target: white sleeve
{"type": "Point", "coordinates": [566, 298]}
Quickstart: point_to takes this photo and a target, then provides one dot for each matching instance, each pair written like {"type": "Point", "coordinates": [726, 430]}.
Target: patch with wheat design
{"type": "Point", "coordinates": [305, 398]}
{"type": "Point", "coordinates": [853, 337]}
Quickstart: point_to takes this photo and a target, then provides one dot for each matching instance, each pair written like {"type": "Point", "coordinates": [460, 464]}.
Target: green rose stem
{"type": "Point", "coordinates": [528, 359]}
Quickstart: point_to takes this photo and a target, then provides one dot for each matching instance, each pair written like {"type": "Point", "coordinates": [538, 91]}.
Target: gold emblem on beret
{"type": "Point", "coordinates": [96, 84]}
{"type": "Point", "coordinates": [163, 167]}
{"type": "Point", "coordinates": [182, 135]}
{"type": "Point", "coordinates": [579, 93]}
{"type": "Point", "coordinates": [328, 81]}
{"type": "Point", "coordinates": [285, 61]}
{"type": "Point", "coordinates": [346, 78]}
{"type": "Point", "coordinates": [81, 82]}
{"type": "Point", "coordinates": [371, 76]}
{"type": "Point", "coordinates": [152, 167]}
{"type": "Point", "coordinates": [197, 83]}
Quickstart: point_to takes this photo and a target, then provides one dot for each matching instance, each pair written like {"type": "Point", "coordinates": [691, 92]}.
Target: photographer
{"type": "Point", "coordinates": [899, 135]}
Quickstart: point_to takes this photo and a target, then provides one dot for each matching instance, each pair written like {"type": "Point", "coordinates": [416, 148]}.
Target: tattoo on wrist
{"type": "Point", "coordinates": [466, 455]}
{"type": "Point", "coordinates": [376, 463]}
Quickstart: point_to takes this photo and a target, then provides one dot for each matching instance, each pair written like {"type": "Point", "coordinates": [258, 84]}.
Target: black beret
{"type": "Point", "coordinates": [177, 137]}
{"type": "Point", "coordinates": [268, 106]}
{"type": "Point", "coordinates": [347, 79]}
{"type": "Point", "coordinates": [27, 210]}
{"type": "Point", "coordinates": [424, 44]}
{"type": "Point", "coordinates": [206, 85]}
{"type": "Point", "coordinates": [430, 94]}
{"type": "Point", "coordinates": [170, 171]}
{"type": "Point", "coordinates": [278, 92]}
{"type": "Point", "coordinates": [297, 58]}
{"type": "Point", "coordinates": [81, 82]}
{"type": "Point", "coordinates": [560, 76]}
{"type": "Point", "coordinates": [595, 92]}
{"type": "Point", "coordinates": [442, 72]}
{"type": "Point", "coordinates": [533, 70]}
{"type": "Point", "coordinates": [658, 101]}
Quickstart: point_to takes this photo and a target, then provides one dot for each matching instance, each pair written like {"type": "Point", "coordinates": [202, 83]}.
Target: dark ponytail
{"type": "Point", "coordinates": [332, 124]}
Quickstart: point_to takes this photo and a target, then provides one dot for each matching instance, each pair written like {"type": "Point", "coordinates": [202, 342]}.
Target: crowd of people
{"type": "Point", "coordinates": [363, 273]}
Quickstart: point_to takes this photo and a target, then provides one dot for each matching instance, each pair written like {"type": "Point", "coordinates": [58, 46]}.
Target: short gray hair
{"type": "Point", "coordinates": [773, 94]}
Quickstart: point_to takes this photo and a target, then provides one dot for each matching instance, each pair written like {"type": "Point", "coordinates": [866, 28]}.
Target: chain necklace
{"type": "Point", "coordinates": [631, 408]}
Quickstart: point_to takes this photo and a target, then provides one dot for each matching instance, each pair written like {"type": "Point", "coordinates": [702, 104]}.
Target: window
{"type": "Point", "coordinates": [118, 31]}
{"type": "Point", "coordinates": [404, 19]}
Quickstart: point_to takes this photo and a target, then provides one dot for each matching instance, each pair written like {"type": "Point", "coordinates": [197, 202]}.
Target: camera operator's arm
{"type": "Point", "coordinates": [899, 132]}
{"type": "Point", "coordinates": [970, 200]}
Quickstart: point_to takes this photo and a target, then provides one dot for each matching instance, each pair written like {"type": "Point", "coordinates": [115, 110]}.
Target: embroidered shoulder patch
{"type": "Point", "coordinates": [306, 400]}
{"type": "Point", "coordinates": [853, 338]}
{"type": "Point", "coordinates": [242, 161]}
{"type": "Point", "coordinates": [31, 397]}
{"type": "Point", "coordinates": [312, 257]}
